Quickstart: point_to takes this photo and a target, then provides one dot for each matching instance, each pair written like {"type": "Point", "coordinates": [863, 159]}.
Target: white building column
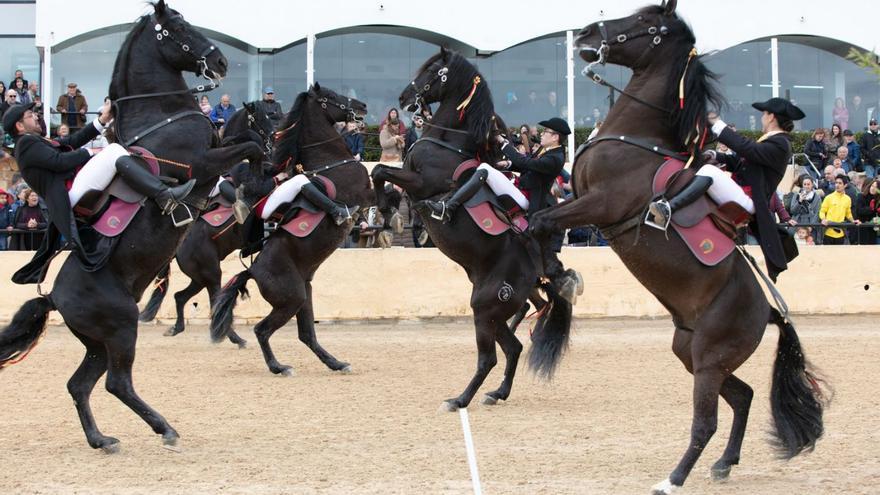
{"type": "Point", "coordinates": [569, 60]}
{"type": "Point", "coordinates": [46, 86]}
{"type": "Point", "coordinates": [310, 60]}
{"type": "Point", "coordinates": [255, 75]}
{"type": "Point", "coordinates": [774, 66]}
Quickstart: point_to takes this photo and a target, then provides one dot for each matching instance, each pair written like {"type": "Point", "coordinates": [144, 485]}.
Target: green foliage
{"type": "Point", "coordinates": [865, 60]}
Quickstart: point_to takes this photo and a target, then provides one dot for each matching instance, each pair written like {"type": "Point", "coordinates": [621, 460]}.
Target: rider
{"type": "Point", "coordinates": [537, 173]}
{"type": "Point", "coordinates": [47, 165]}
{"type": "Point", "coordinates": [758, 166]}
{"type": "Point", "coordinates": [300, 183]}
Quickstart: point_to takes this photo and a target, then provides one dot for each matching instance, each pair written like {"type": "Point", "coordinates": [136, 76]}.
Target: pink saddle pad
{"type": "Point", "coordinates": [485, 217]}
{"type": "Point", "coordinates": [117, 217]}
{"type": "Point", "coordinates": [708, 244]}
{"type": "Point", "coordinates": [218, 216]}
{"type": "Point", "coordinates": [305, 222]}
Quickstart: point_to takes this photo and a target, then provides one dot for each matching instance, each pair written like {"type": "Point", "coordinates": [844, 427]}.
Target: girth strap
{"type": "Point", "coordinates": [443, 144]}
{"type": "Point", "coordinates": [314, 172]}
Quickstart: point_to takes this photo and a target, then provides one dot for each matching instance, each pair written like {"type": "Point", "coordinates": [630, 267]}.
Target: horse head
{"type": "Point", "coordinates": [628, 41]}
{"type": "Point", "coordinates": [336, 107]}
{"type": "Point", "coordinates": [428, 85]}
{"type": "Point", "coordinates": [258, 122]}
{"type": "Point", "coordinates": [183, 47]}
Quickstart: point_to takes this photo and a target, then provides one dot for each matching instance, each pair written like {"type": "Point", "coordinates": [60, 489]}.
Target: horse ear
{"type": "Point", "coordinates": [444, 53]}
{"type": "Point", "coordinates": [669, 6]}
{"type": "Point", "coordinates": [249, 106]}
{"type": "Point", "coordinates": [316, 86]}
{"type": "Point", "coordinates": [160, 7]}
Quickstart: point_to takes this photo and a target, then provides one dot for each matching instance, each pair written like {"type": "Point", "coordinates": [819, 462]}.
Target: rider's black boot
{"type": "Point", "coordinates": [661, 210]}
{"type": "Point", "coordinates": [339, 213]}
{"type": "Point", "coordinates": [240, 208]}
{"type": "Point", "coordinates": [443, 210]}
{"type": "Point", "coordinates": [142, 181]}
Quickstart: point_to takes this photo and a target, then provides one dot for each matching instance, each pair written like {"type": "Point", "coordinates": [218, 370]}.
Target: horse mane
{"type": "Point", "coordinates": [287, 138]}
{"type": "Point", "coordinates": [701, 92]}
{"type": "Point", "coordinates": [120, 68]}
{"type": "Point", "coordinates": [480, 111]}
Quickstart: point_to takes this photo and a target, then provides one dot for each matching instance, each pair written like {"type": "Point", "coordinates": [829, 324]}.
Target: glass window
{"type": "Point", "coordinates": [285, 71]}
{"type": "Point", "coordinates": [372, 67]}
{"type": "Point", "coordinates": [528, 81]}
{"type": "Point", "coordinates": [19, 53]}
{"type": "Point", "coordinates": [744, 77]}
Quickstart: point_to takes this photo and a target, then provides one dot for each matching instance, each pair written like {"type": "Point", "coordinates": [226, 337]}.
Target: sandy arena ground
{"type": "Point", "coordinates": [615, 420]}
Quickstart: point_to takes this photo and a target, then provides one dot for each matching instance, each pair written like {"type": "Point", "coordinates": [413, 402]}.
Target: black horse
{"type": "Point", "coordinates": [100, 308]}
{"type": "Point", "coordinates": [500, 268]}
{"type": "Point", "coordinates": [284, 268]}
{"type": "Point", "coordinates": [205, 246]}
{"type": "Point", "coordinates": [719, 312]}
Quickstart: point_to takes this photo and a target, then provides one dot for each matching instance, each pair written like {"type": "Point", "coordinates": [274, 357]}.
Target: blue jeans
{"type": "Point", "coordinates": [870, 171]}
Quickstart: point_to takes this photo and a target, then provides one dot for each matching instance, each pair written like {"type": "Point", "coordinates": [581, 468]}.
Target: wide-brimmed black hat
{"type": "Point", "coordinates": [557, 125]}
{"type": "Point", "coordinates": [781, 108]}
{"type": "Point", "coordinates": [13, 115]}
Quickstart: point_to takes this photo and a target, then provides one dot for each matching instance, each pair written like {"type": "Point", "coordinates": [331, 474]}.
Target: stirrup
{"type": "Point", "coordinates": [650, 218]}
{"type": "Point", "coordinates": [180, 221]}
{"type": "Point", "coordinates": [442, 212]}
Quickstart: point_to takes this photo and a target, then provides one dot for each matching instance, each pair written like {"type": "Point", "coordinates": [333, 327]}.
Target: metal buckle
{"type": "Point", "coordinates": [442, 212]}
{"type": "Point", "coordinates": [621, 38]}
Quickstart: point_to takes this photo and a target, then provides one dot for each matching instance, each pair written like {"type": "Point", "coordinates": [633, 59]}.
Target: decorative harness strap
{"type": "Point", "coordinates": [161, 124]}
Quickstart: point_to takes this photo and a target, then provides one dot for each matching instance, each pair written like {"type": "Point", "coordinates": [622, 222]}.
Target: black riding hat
{"type": "Point", "coordinates": [556, 124]}
{"type": "Point", "coordinates": [781, 108]}
{"type": "Point", "coordinates": [13, 115]}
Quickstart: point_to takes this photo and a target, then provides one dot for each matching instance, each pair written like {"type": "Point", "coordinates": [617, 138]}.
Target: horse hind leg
{"type": "Point", "coordinates": [738, 395]}
{"type": "Point", "coordinates": [80, 386]}
{"type": "Point", "coordinates": [264, 330]}
{"type": "Point", "coordinates": [180, 300]}
{"type": "Point", "coordinates": [305, 324]}
{"type": "Point", "coordinates": [486, 360]}
{"type": "Point", "coordinates": [512, 348]}
{"type": "Point", "coordinates": [121, 352]}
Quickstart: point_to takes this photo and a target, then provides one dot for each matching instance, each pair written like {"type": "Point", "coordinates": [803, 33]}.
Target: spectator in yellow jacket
{"type": "Point", "coordinates": [836, 207]}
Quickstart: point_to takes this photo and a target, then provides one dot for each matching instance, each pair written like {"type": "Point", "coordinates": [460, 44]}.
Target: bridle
{"type": "Point", "coordinates": [605, 47]}
{"type": "Point", "coordinates": [418, 99]}
{"type": "Point", "coordinates": [325, 102]}
{"type": "Point", "coordinates": [203, 71]}
{"type": "Point", "coordinates": [252, 125]}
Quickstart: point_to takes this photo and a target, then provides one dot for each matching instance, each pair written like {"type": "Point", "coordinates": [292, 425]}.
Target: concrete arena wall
{"type": "Point", "coordinates": [409, 284]}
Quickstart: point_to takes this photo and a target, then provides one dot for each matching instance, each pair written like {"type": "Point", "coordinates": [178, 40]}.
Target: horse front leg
{"type": "Point", "coordinates": [547, 226]}
{"type": "Point", "coordinates": [218, 161]}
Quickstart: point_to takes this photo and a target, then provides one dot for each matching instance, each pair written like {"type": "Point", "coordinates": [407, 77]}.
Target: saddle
{"type": "Point", "coordinates": [707, 229]}
{"type": "Point", "coordinates": [299, 217]}
{"type": "Point", "coordinates": [111, 211]}
{"type": "Point", "coordinates": [494, 214]}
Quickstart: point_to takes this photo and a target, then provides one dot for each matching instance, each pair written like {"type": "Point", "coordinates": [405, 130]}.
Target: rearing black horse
{"type": "Point", "coordinates": [205, 246]}
{"type": "Point", "coordinates": [100, 308]}
{"type": "Point", "coordinates": [719, 312]}
{"type": "Point", "coordinates": [284, 268]}
{"type": "Point", "coordinates": [500, 268]}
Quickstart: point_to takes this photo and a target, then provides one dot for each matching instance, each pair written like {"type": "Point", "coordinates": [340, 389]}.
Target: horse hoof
{"type": "Point", "coordinates": [171, 332]}
{"type": "Point", "coordinates": [287, 371]}
{"type": "Point", "coordinates": [488, 400]}
{"type": "Point", "coordinates": [242, 344]}
{"type": "Point", "coordinates": [111, 448]}
{"type": "Point", "coordinates": [345, 370]}
{"type": "Point", "coordinates": [720, 473]}
{"type": "Point", "coordinates": [665, 487]}
{"type": "Point", "coordinates": [447, 406]}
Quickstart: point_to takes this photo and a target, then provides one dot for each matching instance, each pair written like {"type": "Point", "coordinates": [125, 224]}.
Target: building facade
{"type": "Point", "coordinates": [370, 50]}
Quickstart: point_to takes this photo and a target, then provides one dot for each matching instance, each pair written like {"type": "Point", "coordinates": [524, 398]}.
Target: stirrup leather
{"type": "Point", "coordinates": [650, 218]}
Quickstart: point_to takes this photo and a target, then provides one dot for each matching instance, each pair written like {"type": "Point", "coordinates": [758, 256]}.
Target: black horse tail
{"type": "Point", "coordinates": [550, 336]}
{"type": "Point", "coordinates": [24, 331]}
{"type": "Point", "coordinates": [224, 304]}
{"type": "Point", "coordinates": [797, 398]}
{"type": "Point", "coordinates": [158, 295]}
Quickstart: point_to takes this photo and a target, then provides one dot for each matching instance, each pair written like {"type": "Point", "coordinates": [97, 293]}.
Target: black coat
{"type": "Point", "coordinates": [870, 144]}
{"type": "Point", "coordinates": [760, 166]}
{"type": "Point", "coordinates": [537, 173]}
{"type": "Point", "coordinates": [45, 165]}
